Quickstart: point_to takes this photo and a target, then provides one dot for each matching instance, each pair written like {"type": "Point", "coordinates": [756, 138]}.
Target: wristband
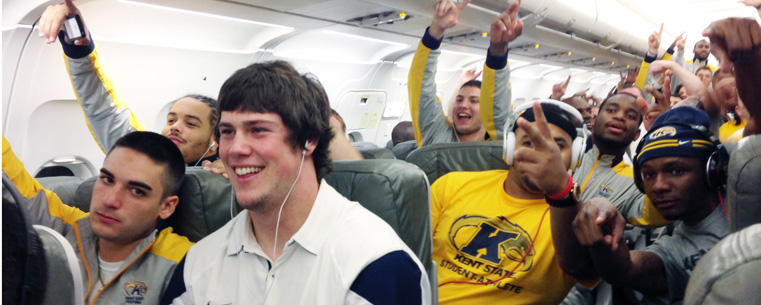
{"type": "Point", "coordinates": [564, 192]}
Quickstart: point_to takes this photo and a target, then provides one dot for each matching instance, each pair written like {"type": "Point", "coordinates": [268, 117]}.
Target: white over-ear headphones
{"type": "Point", "coordinates": [577, 148]}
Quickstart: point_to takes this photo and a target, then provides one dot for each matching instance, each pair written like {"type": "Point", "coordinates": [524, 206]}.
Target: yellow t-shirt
{"type": "Point", "coordinates": [480, 234]}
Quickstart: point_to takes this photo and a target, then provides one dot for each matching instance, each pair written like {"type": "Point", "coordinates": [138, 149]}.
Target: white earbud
{"type": "Point", "coordinates": [304, 151]}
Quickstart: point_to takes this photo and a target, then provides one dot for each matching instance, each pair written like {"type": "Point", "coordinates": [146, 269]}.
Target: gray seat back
{"type": "Point", "coordinates": [65, 283]}
{"type": "Point", "coordinates": [371, 151]}
{"type": "Point", "coordinates": [64, 186]}
{"type": "Point", "coordinates": [402, 150]}
{"type": "Point", "coordinates": [743, 179]}
{"type": "Point", "coordinates": [728, 273]}
{"type": "Point", "coordinates": [438, 159]}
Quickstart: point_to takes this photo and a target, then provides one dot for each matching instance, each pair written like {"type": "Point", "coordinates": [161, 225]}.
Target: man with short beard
{"type": "Point", "coordinates": [700, 59]}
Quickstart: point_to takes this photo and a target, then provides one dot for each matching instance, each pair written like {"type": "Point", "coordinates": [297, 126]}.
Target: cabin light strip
{"type": "Point", "coordinates": [205, 14]}
{"type": "Point", "coordinates": [311, 56]}
{"type": "Point", "coordinates": [181, 47]}
{"type": "Point", "coordinates": [404, 45]}
{"type": "Point", "coordinates": [18, 26]}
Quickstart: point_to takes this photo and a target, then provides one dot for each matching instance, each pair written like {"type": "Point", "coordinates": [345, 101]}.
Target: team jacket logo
{"type": "Point", "coordinates": [491, 240]}
{"type": "Point", "coordinates": [605, 191]}
{"type": "Point", "coordinates": [135, 292]}
{"type": "Point", "coordinates": [663, 131]}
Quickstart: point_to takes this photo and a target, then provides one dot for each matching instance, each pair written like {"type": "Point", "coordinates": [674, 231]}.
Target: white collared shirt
{"type": "Point", "coordinates": [339, 242]}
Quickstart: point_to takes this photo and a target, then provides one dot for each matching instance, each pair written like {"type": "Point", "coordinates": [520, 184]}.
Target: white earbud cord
{"type": "Point", "coordinates": [204, 154]}
{"type": "Point", "coordinates": [277, 225]}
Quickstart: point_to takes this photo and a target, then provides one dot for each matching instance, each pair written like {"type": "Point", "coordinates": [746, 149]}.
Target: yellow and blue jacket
{"type": "Point", "coordinates": [147, 269]}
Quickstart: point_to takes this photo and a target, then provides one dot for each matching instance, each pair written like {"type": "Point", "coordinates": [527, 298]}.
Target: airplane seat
{"type": "Point", "coordinates": [743, 179]}
{"type": "Point", "coordinates": [53, 171]}
{"type": "Point", "coordinates": [402, 150]}
{"type": "Point", "coordinates": [42, 261]}
{"type": "Point", "coordinates": [397, 192]}
{"type": "Point", "coordinates": [64, 186]}
{"type": "Point", "coordinates": [438, 159]}
{"type": "Point", "coordinates": [727, 273]}
{"type": "Point", "coordinates": [206, 204]}
{"type": "Point", "coordinates": [355, 136]}
{"type": "Point", "coordinates": [371, 151]}
{"type": "Point", "coordinates": [390, 144]}
{"type": "Point", "coordinates": [64, 278]}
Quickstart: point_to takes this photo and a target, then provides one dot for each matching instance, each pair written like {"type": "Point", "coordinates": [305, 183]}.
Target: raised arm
{"type": "Point", "coordinates": [543, 165]}
{"type": "Point", "coordinates": [48, 210]}
{"type": "Point", "coordinates": [496, 92]}
{"type": "Point", "coordinates": [428, 119]}
{"type": "Point", "coordinates": [740, 42]}
{"type": "Point", "coordinates": [108, 115]}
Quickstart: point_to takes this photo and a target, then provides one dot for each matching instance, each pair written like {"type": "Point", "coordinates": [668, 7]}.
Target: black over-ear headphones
{"type": "Point", "coordinates": [716, 165]}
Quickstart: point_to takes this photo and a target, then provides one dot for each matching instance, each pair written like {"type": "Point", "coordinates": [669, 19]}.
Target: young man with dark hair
{"type": "Point", "coordinates": [493, 232]}
{"type": "Point", "coordinates": [480, 109]}
{"type": "Point", "coordinates": [123, 258]}
{"type": "Point", "coordinates": [671, 162]}
{"type": "Point", "coordinates": [298, 241]}
{"type": "Point", "coordinates": [190, 122]}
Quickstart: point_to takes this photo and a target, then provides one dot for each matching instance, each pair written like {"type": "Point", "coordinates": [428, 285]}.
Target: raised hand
{"type": "Point", "coordinates": [735, 37]}
{"type": "Point", "coordinates": [52, 19]}
{"type": "Point", "coordinates": [654, 41]}
{"type": "Point", "coordinates": [558, 90]}
{"type": "Point", "coordinates": [631, 74]}
{"type": "Point", "coordinates": [680, 41]}
{"type": "Point", "coordinates": [215, 167]}
{"type": "Point", "coordinates": [469, 75]}
{"type": "Point", "coordinates": [599, 222]}
{"type": "Point", "coordinates": [542, 163]}
{"type": "Point", "coordinates": [505, 28]}
{"type": "Point", "coordinates": [445, 16]}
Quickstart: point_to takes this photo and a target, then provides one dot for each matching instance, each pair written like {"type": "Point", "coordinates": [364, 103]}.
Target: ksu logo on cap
{"type": "Point", "coordinates": [135, 292]}
{"type": "Point", "coordinates": [663, 131]}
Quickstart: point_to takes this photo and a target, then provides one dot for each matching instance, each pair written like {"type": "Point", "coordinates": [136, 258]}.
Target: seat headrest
{"type": "Point", "coordinates": [727, 274]}
{"type": "Point", "coordinates": [743, 179]}
{"type": "Point", "coordinates": [402, 150]}
{"type": "Point", "coordinates": [438, 159]}
{"type": "Point", "coordinates": [63, 269]}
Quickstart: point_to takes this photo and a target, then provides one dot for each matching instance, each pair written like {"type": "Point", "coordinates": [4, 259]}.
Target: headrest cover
{"type": "Point", "coordinates": [554, 115]}
{"type": "Point", "coordinates": [679, 132]}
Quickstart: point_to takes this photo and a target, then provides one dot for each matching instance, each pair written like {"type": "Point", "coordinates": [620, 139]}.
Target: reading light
{"type": "Point", "coordinates": [402, 14]}
{"type": "Point", "coordinates": [536, 46]}
{"type": "Point", "coordinates": [569, 53]}
{"type": "Point", "coordinates": [484, 34]}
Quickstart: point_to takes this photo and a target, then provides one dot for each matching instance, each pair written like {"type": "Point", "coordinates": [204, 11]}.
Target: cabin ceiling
{"type": "Point", "coordinates": [587, 47]}
{"type": "Point", "coordinates": [596, 39]}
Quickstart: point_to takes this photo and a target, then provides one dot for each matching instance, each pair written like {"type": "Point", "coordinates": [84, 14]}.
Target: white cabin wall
{"type": "Point", "coordinates": [147, 77]}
